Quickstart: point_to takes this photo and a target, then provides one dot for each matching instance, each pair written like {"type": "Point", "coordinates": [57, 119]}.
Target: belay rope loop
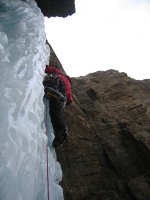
{"type": "Point", "coordinates": [47, 155]}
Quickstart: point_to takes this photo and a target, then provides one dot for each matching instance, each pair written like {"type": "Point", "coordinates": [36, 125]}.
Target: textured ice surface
{"type": "Point", "coordinates": [23, 56]}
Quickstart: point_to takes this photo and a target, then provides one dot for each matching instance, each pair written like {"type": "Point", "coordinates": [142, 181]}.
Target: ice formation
{"type": "Point", "coordinates": [23, 56]}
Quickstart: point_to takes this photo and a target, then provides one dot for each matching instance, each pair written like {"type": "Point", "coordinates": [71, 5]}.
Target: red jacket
{"type": "Point", "coordinates": [64, 78]}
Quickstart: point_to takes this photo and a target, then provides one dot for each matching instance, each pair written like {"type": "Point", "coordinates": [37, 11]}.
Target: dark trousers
{"type": "Point", "coordinates": [55, 112]}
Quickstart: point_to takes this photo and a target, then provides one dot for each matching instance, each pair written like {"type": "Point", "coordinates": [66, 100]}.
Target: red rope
{"type": "Point", "coordinates": [47, 156]}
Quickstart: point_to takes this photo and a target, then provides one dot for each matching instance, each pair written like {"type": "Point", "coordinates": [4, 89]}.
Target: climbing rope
{"type": "Point", "coordinates": [47, 155]}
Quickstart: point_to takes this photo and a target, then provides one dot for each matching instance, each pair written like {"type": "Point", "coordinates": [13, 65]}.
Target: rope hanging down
{"type": "Point", "coordinates": [47, 155]}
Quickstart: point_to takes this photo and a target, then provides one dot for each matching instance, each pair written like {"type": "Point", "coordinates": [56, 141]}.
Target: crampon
{"type": "Point", "coordinates": [59, 139]}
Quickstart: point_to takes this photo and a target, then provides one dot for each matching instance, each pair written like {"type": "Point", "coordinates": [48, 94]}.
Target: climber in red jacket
{"type": "Point", "coordinates": [58, 123]}
{"type": "Point", "coordinates": [63, 78]}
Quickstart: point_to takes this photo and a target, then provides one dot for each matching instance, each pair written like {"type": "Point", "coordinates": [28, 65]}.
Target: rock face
{"type": "Point", "coordinates": [53, 8]}
{"type": "Point", "coordinates": [108, 154]}
{"type": "Point", "coordinates": [54, 61]}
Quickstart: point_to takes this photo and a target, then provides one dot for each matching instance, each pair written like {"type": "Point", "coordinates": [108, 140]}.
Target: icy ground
{"type": "Point", "coordinates": [23, 56]}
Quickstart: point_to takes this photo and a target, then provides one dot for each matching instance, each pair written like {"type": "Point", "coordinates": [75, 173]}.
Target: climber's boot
{"type": "Point", "coordinates": [60, 137]}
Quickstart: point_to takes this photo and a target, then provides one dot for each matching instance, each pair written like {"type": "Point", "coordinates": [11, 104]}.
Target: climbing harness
{"type": "Point", "coordinates": [54, 88]}
{"type": "Point", "coordinates": [47, 155]}
{"type": "Point", "coordinates": [50, 92]}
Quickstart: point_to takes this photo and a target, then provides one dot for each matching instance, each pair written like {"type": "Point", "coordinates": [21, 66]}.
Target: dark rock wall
{"type": "Point", "coordinates": [53, 8]}
{"type": "Point", "coordinates": [108, 155]}
{"type": "Point", "coordinates": [54, 61]}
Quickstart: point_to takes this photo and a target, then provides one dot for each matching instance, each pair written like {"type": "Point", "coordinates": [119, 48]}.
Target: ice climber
{"type": "Point", "coordinates": [57, 87]}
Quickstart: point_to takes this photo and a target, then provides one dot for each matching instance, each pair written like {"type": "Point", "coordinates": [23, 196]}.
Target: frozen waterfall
{"type": "Point", "coordinates": [23, 56]}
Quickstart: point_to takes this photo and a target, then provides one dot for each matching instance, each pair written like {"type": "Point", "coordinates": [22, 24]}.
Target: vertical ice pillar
{"type": "Point", "coordinates": [23, 56]}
